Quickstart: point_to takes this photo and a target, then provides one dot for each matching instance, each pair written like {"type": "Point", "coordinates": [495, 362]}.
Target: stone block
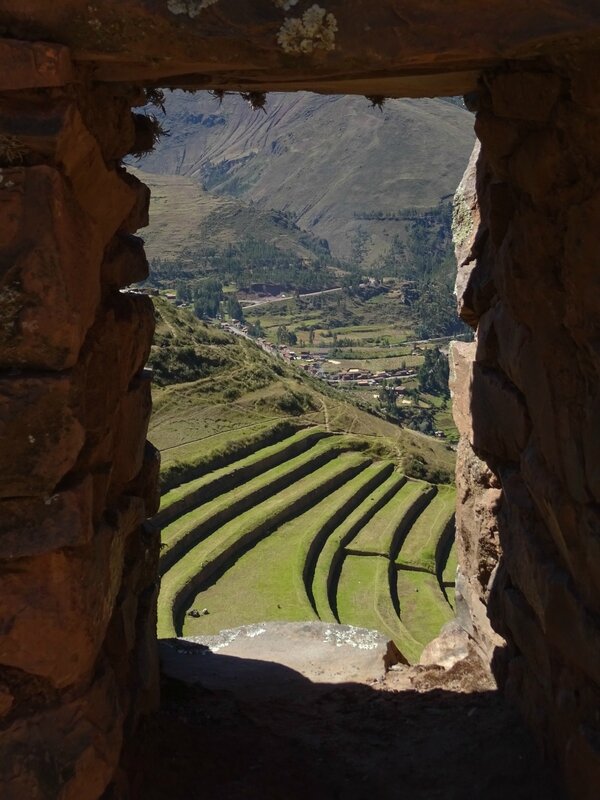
{"type": "Point", "coordinates": [547, 586]}
{"type": "Point", "coordinates": [523, 95]}
{"type": "Point", "coordinates": [40, 432]}
{"type": "Point", "coordinates": [466, 216]}
{"type": "Point", "coordinates": [68, 752]}
{"type": "Point", "coordinates": [104, 193]}
{"type": "Point", "coordinates": [146, 483]}
{"type": "Point", "coordinates": [474, 286]}
{"type": "Point", "coordinates": [500, 422]}
{"type": "Point", "coordinates": [130, 433]}
{"type": "Point", "coordinates": [49, 282]}
{"type": "Point", "coordinates": [33, 65]}
{"type": "Point", "coordinates": [461, 358]}
{"type": "Point", "coordinates": [487, 408]}
{"type": "Point", "coordinates": [573, 526]}
{"type": "Point", "coordinates": [125, 261]}
{"type": "Point", "coordinates": [541, 167]}
{"type": "Point", "coordinates": [139, 215]}
{"type": "Point", "coordinates": [55, 607]}
{"type": "Point", "coordinates": [501, 136]}
{"type": "Point", "coordinates": [31, 526]}
{"type": "Point", "coordinates": [528, 635]}
{"type": "Point", "coordinates": [116, 350]}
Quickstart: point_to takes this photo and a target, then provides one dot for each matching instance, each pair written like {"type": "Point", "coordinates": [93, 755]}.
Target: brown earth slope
{"type": "Point", "coordinates": [329, 161]}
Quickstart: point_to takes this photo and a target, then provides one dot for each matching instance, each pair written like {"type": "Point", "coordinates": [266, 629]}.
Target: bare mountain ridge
{"type": "Point", "coordinates": [331, 162]}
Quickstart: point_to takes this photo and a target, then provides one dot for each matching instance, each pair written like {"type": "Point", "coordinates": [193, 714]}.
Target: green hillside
{"type": "Point", "coordinates": [219, 393]}
{"type": "Point", "coordinates": [283, 500]}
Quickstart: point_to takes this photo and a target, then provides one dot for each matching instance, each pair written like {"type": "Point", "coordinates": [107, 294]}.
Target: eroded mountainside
{"type": "Point", "coordinates": [337, 165]}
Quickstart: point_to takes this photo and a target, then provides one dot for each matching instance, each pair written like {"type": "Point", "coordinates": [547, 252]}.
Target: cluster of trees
{"type": "Point", "coordinates": [427, 253]}
{"type": "Point", "coordinates": [435, 312]}
{"type": "Point", "coordinates": [234, 309]}
{"type": "Point", "coordinates": [433, 380]}
{"type": "Point", "coordinates": [433, 374]}
{"type": "Point", "coordinates": [285, 336]}
{"type": "Point", "coordinates": [251, 260]}
{"type": "Point", "coordinates": [208, 295]}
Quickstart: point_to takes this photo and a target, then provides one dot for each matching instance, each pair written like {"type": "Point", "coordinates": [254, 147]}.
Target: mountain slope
{"type": "Point", "coordinates": [327, 160]}
{"type": "Point", "coordinates": [185, 218]}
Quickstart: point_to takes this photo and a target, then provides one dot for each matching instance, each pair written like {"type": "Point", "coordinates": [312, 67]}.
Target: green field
{"type": "Point", "coordinates": [283, 543]}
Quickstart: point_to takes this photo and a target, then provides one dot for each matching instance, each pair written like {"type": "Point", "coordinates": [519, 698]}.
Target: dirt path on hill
{"type": "Point", "coordinates": [326, 416]}
{"type": "Point", "coordinates": [418, 734]}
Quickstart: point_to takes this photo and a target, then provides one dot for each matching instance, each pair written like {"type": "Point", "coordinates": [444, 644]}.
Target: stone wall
{"type": "Point", "coordinates": [77, 479]}
{"type": "Point", "coordinates": [78, 569]}
{"type": "Point", "coordinates": [527, 399]}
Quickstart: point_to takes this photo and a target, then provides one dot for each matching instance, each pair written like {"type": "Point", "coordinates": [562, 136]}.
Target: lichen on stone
{"type": "Point", "coordinates": [12, 151]}
{"type": "Point", "coordinates": [190, 7]}
{"type": "Point", "coordinates": [285, 4]}
{"type": "Point", "coordinates": [315, 30]}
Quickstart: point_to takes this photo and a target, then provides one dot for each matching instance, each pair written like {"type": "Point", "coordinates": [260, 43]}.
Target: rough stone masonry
{"type": "Point", "coordinates": [78, 569]}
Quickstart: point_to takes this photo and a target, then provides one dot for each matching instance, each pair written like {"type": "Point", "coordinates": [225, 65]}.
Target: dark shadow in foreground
{"type": "Point", "coordinates": [264, 732]}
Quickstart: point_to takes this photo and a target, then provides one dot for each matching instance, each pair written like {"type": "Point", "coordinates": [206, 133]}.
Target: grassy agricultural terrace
{"type": "Point", "coordinates": [309, 525]}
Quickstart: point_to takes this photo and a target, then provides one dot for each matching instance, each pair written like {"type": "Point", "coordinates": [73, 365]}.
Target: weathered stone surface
{"type": "Point", "coordinates": [68, 752]}
{"type": "Point", "coordinates": [54, 608]}
{"type": "Point", "coordinates": [145, 484]}
{"type": "Point", "coordinates": [41, 434]}
{"type": "Point", "coordinates": [529, 96]}
{"type": "Point", "coordinates": [32, 65]}
{"type": "Point", "coordinates": [71, 556]}
{"type": "Point", "coordinates": [474, 280]}
{"type": "Point", "coordinates": [79, 585]}
{"type": "Point", "coordinates": [47, 301]}
{"type": "Point", "coordinates": [125, 261]}
{"type": "Point", "coordinates": [30, 526]}
{"type": "Point", "coordinates": [485, 395]}
{"type": "Point", "coordinates": [526, 396]}
{"type": "Point", "coordinates": [130, 431]}
{"type": "Point", "coordinates": [395, 47]}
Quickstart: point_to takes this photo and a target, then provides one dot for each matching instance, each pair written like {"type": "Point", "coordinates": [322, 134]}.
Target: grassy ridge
{"type": "Point", "coordinates": [448, 581]}
{"type": "Point", "coordinates": [183, 498]}
{"type": "Point", "coordinates": [420, 545]}
{"type": "Point", "coordinates": [377, 537]}
{"type": "Point", "coordinates": [423, 608]}
{"type": "Point", "coordinates": [332, 512]}
{"type": "Point", "coordinates": [328, 566]}
{"type": "Point", "coordinates": [183, 533]}
{"type": "Point", "coordinates": [324, 534]}
{"type": "Point", "coordinates": [200, 458]}
{"type": "Point", "coordinates": [364, 599]}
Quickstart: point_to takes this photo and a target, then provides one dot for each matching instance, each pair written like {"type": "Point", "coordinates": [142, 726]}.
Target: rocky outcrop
{"type": "Point", "coordinates": [526, 400]}
{"type": "Point", "coordinates": [78, 569]}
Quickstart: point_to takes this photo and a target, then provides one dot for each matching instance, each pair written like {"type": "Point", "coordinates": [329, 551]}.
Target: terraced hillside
{"type": "Point", "coordinates": [309, 525]}
{"type": "Point", "coordinates": [216, 394]}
